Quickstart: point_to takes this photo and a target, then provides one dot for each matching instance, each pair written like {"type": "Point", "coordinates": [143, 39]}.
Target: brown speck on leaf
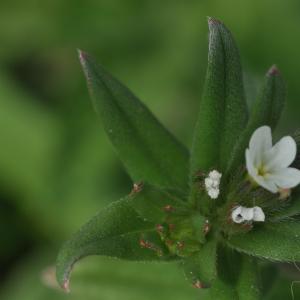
{"type": "Point", "coordinates": [168, 208]}
{"type": "Point", "coordinates": [207, 227]}
{"type": "Point", "coordinates": [137, 187]}
{"type": "Point", "coordinates": [198, 285]}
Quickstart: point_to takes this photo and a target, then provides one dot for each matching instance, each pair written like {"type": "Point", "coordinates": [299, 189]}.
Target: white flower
{"type": "Point", "coordinates": [269, 165]}
{"type": "Point", "coordinates": [242, 214]}
{"type": "Point", "coordinates": [212, 184]}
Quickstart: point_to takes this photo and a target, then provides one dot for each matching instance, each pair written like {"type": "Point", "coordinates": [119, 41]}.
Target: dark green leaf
{"type": "Point", "coordinates": [116, 231]}
{"type": "Point", "coordinates": [274, 241]}
{"type": "Point", "coordinates": [266, 111]}
{"type": "Point", "coordinates": [148, 151]}
{"type": "Point", "coordinates": [201, 268]}
{"type": "Point", "coordinates": [151, 203]}
{"type": "Point", "coordinates": [237, 277]}
{"type": "Point", "coordinates": [223, 111]}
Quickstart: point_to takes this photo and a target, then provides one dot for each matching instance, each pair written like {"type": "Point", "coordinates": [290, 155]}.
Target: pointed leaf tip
{"type": "Point", "coordinates": [66, 286]}
{"type": "Point", "coordinates": [273, 71]}
{"type": "Point", "coordinates": [213, 21]}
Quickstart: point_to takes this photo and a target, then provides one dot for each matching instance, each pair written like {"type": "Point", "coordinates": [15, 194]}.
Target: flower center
{"type": "Point", "coordinates": [261, 171]}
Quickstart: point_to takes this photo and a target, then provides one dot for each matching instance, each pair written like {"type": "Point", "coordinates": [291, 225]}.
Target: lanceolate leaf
{"type": "Point", "coordinates": [223, 111]}
{"type": "Point", "coordinates": [266, 111]}
{"type": "Point", "coordinates": [117, 231]}
{"type": "Point", "coordinates": [237, 278]}
{"type": "Point", "coordinates": [148, 151]}
{"type": "Point", "coordinates": [201, 268]}
{"type": "Point", "coordinates": [274, 241]}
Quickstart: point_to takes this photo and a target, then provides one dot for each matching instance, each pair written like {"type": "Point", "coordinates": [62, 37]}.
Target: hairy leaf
{"type": "Point", "coordinates": [116, 231]}
{"type": "Point", "coordinates": [201, 268]}
{"type": "Point", "coordinates": [151, 203]}
{"type": "Point", "coordinates": [237, 277]}
{"type": "Point", "coordinates": [266, 111]}
{"type": "Point", "coordinates": [273, 241]}
{"type": "Point", "coordinates": [148, 151]}
{"type": "Point", "coordinates": [223, 110]}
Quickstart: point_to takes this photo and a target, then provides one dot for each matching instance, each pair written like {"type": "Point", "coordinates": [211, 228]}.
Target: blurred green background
{"type": "Point", "coordinates": [57, 167]}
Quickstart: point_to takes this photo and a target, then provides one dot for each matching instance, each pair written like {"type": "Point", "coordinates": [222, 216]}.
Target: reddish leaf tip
{"type": "Point", "coordinates": [273, 71]}
{"type": "Point", "coordinates": [213, 21]}
{"type": "Point", "coordinates": [66, 286]}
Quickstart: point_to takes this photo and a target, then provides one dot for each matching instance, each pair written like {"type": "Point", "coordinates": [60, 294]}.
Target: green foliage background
{"type": "Point", "coordinates": [57, 167]}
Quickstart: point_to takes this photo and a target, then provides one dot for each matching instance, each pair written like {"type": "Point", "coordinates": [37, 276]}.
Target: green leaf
{"type": "Point", "coordinates": [237, 277]}
{"type": "Point", "coordinates": [151, 203]}
{"type": "Point", "coordinates": [116, 231]}
{"type": "Point", "coordinates": [290, 209]}
{"type": "Point", "coordinates": [201, 268]}
{"type": "Point", "coordinates": [266, 111]}
{"type": "Point", "coordinates": [148, 151]}
{"type": "Point", "coordinates": [223, 110]}
{"type": "Point", "coordinates": [274, 241]}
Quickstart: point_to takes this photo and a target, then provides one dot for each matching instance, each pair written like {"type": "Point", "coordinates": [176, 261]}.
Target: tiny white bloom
{"type": "Point", "coordinates": [213, 193]}
{"type": "Point", "coordinates": [242, 214]}
{"type": "Point", "coordinates": [212, 184]}
{"type": "Point", "coordinates": [269, 165]}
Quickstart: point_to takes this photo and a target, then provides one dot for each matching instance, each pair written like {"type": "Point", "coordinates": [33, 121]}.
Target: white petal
{"type": "Point", "coordinates": [260, 142]}
{"type": "Point", "coordinates": [258, 214]}
{"type": "Point", "coordinates": [236, 215]}
{"type": "Point", "coordinates": [281, 155]}
{"type": "Point", "coordinates": [250, 166]}
{"type": "Point", "coordinates": [265, 182]}
{"type": "Point", "coordinates": [286, 178]}
{"type": "Point", "coordinates": [247, 213]}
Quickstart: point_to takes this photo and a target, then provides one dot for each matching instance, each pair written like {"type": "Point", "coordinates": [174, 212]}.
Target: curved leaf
{"type": "Point", "coordinates": [116, 231]}
{"type": "Point", "coordinates": [274, 241]}
{"type": "Point", "coordinates": [148, 151]}
{"type": "Point", "coordinates": [223, 110]}
{"type": "Point", "coordinates": [266, 111]}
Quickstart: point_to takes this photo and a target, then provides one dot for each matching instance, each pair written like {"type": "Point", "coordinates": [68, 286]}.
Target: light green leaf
{"type": "Point", "coordinates": [116, 231]}
{"type": "Point", "coordinates": [273, 241]}
{"type": "Point", "coordinates": [266, 111]}
{"type": "Point", "coordinates": [223, 110]}
{"type": "Point", "coordinates": [201, 268]}
{"type": "Point", "coordinates": [148, 151]}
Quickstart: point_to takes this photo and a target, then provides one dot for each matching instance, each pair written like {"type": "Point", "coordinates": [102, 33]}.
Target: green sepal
{"type": "Point", "coordinates": [266, 111]}
{"type": "Point", "coordinates": [148, 150]}
{"type": "Point", "coordinates": [223, 110]}
{"type": "Point", "coordinates": [274, 241]}
{"type": "Point", "coordinates": [117, 231]}
{"type": "Point", "coordinates": [201, 268]}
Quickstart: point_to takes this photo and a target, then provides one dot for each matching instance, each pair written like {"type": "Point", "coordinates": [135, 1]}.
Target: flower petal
{"type": "Point", "coordinates": [247, 213]}
{"type": "Point", "coordinates": [260, 142]}
{"type": "Point", "coordinates": [260, 180]}
{"type": "Point", "coordinates": [280, 155]}
{"type": "Point", "coordinates": [286, 178]}
{"type": "Point", "coordinates": [258, 214]}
